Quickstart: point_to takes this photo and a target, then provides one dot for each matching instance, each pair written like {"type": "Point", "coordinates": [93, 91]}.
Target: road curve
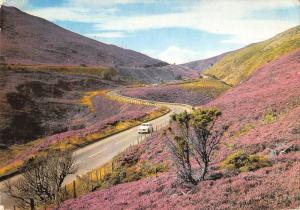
{"type": "Point", "coordinates": [95, 155]}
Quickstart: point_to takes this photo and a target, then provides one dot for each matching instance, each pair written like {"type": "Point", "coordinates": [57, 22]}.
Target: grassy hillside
{"type": "Point", "coordinates": [239, 65]}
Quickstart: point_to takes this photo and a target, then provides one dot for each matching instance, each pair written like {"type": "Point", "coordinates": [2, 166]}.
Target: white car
{"type": "Point", "coordinates": [145, 128]}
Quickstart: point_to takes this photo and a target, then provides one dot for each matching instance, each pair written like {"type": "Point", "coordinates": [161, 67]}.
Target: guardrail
{"type": "Point", "coordinates": [116, 94]}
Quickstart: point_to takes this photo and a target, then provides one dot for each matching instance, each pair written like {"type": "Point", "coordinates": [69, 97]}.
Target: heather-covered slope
{"type": "Point", "coordinates": [262, 114]}
{"type": "Point", "coordinates": [31, 40]}
{"type": "Point", "coordinates": [194, 93]}
{"type": "Point", "coordinates": [237, 66]}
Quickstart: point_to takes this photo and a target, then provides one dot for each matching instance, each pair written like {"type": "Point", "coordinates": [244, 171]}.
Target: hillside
{"type": "Point", "coordinates": [28, 39]}
{"type": "Point", "coordinates": [262, 114]}
{"type": "Point", "coordinates": [237, 66]}
{"type": "Point", "coordinates": [204, 64]}
{"type": "Point", "coordinates": [198, 92]}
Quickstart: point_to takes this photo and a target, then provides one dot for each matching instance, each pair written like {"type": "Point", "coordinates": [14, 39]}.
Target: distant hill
{"type": "Point", "coordinates": [237, 66]}
{"type": "Point", "coordinates": [28, 39]}
{"type": "Point", "coordinates": [201, 65]}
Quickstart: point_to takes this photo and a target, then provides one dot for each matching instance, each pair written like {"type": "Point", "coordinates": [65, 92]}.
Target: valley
{"type": "Point", "coordinates": [226, 131]}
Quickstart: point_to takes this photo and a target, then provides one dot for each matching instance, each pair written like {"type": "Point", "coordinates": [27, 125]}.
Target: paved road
{"type": "Point", "coordinates": [99, 153]}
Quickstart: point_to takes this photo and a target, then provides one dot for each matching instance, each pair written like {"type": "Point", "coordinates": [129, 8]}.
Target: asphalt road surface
{"type": "Point", "coordinates": [95, 155]}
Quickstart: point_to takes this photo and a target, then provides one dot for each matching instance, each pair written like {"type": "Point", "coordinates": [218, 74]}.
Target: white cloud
{"type": "Point", "coordinates": [235, 18]}
{"type": "Point", "coordinates": [102, 3]}
{"type": "Point", "coordinates": [174, 54]}
{"type": "Point", "coordinates": [77, 14]}
{"type": "Point", "coordinates": [231, 17]}
{"type": "Point", "coordinates": [15, 3]}
{"type": "Point", "coordinates": [107, 35]}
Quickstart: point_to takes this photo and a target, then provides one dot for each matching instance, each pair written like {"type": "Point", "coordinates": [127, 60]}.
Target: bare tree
{"type": "Point", "coordinates": [41, 182]}
{"type": "Point", "coordinates": [192, 138]}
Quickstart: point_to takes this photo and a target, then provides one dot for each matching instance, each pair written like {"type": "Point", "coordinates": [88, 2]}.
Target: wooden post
{"type": "Point", "coordinates": [97, 177]}
{"type": "Point", "coordinates": [32, 204]}
{"type": "Point", "coordinates": [74, 189]}
{"type": "Point", "coordinates": [66, 191]}
{"type": "Point", "coordinates": [112, 166]}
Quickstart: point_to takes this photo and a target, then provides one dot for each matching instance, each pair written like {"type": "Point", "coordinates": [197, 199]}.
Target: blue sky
{"type": "Point", "coordinates": [175, 31]}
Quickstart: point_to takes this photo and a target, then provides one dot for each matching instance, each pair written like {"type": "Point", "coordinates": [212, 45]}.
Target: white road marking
{"type": "Point", "coordinates": [97, 153]}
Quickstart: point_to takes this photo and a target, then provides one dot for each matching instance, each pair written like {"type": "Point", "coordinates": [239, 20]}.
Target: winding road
{"type": "Point", "coordinates": [97, 154]}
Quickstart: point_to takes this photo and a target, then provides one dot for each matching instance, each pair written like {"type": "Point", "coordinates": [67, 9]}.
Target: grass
{"type": "Point", "coordinates": [87, 182]}
{"type": "Point", "coordinates": [87, 99]}
{"type": "Point", "coordinates": [244, 162]}
{"type": "Point", "coordinates": [237, 66]}
{"type": "Point", "coordinates": [212, 86]}
{"type": "Point", "coordinates": [102, 72]}
{"type": "Point", "coordinates": [270, 116]}
{"type": "Point", "coordinates": [244, 129]}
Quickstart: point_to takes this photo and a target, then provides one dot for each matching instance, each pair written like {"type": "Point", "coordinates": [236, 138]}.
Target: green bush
{"type": "Point", "coordinates": [244, 162]}
{"type": "Point", "coordinates": [127, 173]}
{"type": "Point", "coordinates": [270, 116]}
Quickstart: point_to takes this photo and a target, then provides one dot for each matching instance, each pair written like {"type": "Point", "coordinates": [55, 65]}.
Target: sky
{"type": "Point", "coordinates": [176, 31]}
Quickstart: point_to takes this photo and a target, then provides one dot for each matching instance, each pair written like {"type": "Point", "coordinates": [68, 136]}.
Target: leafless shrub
{"type": "Point", "coordinates": [41, 182]}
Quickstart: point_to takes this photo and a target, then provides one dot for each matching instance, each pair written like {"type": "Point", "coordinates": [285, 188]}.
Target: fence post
{"type": "Point", "coordinates": [97, 177]}
{"type": "Point", "coordinates": [74, 189]}
{"type": "Point", "coordinates": [66, 191]}
{"type": "Point", "coordinates": [32, 204]}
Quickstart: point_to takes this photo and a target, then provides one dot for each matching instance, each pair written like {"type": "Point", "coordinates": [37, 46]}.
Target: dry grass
{"type": "Point", "coordinates": [209, 85]}
{"type": "Point", "coordinates": [86, 182]}
{"type": "Point", "coordinates": [87, 99]}
{"type": "Point", "coordinates": [102, 72]}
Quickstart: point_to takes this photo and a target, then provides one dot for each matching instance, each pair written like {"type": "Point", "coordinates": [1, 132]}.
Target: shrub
{"type": "Point", "coordinates": [193, 138]}
{"type": "Point", "coordinates": [270, 116]}
{"type": "Point", "coordinates": [244, 162]}
{"type": "Point", "coordinates": [178, 77]}
{"type": "Point", "coordinates": [133, 172]}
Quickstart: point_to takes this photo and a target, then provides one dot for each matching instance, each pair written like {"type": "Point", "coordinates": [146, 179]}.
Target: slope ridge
{"type": "Point", "coordinates": [201, 65]}
{"type": "Point", "coordinates": [237, 66]}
